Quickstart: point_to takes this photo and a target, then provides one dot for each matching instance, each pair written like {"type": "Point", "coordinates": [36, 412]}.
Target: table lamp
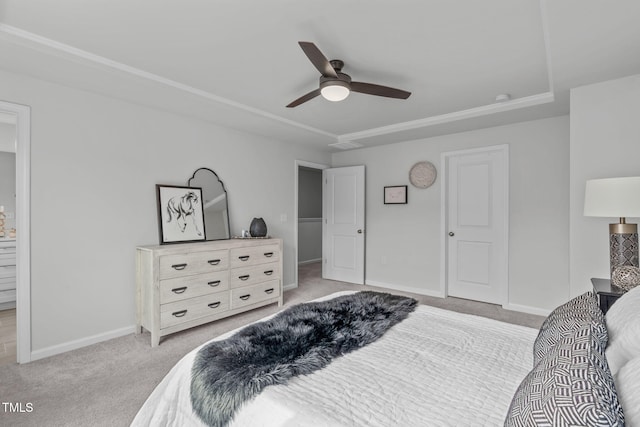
{"type": "Point", "coordinates": [616, 198]}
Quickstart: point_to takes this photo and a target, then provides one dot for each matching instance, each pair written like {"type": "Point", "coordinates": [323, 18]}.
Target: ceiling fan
{"type": "Point", "coordinates": [336, 85]}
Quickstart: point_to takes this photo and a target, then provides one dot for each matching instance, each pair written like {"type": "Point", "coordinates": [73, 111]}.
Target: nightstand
{"type": "Point", "coordinates": [607, 293]}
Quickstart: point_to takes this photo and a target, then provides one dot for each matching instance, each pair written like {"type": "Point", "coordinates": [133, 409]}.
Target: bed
{"type": "Point", "coordinates": [442, 368]}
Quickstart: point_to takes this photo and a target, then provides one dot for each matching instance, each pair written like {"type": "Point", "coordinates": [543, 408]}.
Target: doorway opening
{"type": "Point", "coordinates": [20, 116]}
{"type": "Point", "coordinates": [8, 332]}
{"type": "Point", "coordinates": [308, 221]}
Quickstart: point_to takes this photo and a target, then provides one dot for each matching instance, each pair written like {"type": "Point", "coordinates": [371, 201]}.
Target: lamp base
{"type": "Point", "coordinates": [623, 247]}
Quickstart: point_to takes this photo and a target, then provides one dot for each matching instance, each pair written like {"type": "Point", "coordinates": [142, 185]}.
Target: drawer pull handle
{"type": "Point", "coordinates": [243, 257]}
{"type": "Point", "coordinates": [214, 283]}
{"type": "Point", "coordinates": [179, 266]}
{"type": "Point", "coordinates": [214, 304]}
{"type": "Point", "coordinates": [268, 254]}
{"type": "Point", "coordinates": [268, 272]}
{"type": "Point", "coordinates": [214, 261]}
{"type": "Point", "coordinates": [245, 297]}
{"type": "Point", "coordinates": [180, 313]}
{"type": "Point", "coordinates": [179, 290]}
{"type": "Point", "coordinates": [269, 291]}
{"type": "Point", "coordinates": [245, 277]}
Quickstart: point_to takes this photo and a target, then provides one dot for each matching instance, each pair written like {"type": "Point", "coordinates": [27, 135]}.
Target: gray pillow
{"type": "Point", "coordinates": [570, 386]}
{"type": "Point", "coordinates": [576, 313]}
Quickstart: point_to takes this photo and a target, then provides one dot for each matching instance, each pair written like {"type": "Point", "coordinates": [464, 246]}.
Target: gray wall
{"type": "Point", "coordinates": [8, 172]}
{"type": "Point", "coordinates": [309, 214]}
{"type": "Point", "coordinates": [8, 188]}
{"type": "Point", "coordinates": [309, 193]}
{"type": "Point", "coordinates": [605, 143]}
{"type": "Point", "coordinates": [403, 241]}
{"type": "Point", "coordinates": [8, 137]}
{"type": "Point", "coordinates": [94, 165]}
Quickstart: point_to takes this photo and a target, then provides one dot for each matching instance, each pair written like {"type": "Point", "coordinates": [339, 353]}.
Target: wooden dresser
{"type": "Point", "coordinates": [185, 285]}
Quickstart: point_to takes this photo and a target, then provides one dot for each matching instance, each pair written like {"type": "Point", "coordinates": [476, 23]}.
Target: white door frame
{"type": "Point", "coordinates": [444, 216]}
{"type": "Point", "coordinates": [299, 163]}
{"type": "Point", "coordinates": [23, 236]}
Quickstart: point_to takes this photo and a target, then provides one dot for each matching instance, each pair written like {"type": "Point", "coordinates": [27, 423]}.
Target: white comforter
{"type": "Point", "coordinates": [436, 368]}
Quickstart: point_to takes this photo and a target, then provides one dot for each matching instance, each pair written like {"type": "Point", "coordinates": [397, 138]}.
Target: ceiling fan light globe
{"type": "Point", "coordinates": [334, 91]}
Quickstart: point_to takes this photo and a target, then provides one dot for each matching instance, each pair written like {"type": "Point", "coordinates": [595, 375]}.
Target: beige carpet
{"type": "Point", "coordinates": [105, 384]}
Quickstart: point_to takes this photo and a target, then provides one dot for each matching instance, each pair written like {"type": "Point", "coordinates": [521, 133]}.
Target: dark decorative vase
{"type": "Point", "coordinates": [258, 228]}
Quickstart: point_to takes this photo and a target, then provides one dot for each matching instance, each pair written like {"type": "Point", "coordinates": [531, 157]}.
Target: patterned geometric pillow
{"type": "Point", "coordinates": [581, 310]}
{"type": "Point", "coordinates": [570, 386]}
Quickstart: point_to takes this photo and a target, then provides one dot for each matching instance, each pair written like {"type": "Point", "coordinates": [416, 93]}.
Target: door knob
{"type": "Point", "coordinates": [360, 231]}
{"type": "Point", "coordinates": [451, 233]}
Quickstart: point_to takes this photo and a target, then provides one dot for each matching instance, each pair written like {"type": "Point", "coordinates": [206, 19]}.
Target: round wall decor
{"type": "Point", "coordinates": [422, 174]}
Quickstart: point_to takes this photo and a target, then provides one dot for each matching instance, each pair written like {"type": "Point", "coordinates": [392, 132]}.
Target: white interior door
{"type": "Point", "coordinates": [343, 225]}
{"type": "Point", "coordinates": [477, 224]}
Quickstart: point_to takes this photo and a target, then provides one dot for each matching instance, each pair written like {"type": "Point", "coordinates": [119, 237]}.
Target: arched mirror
{"type": "Point", "coordinates": [216, 214]}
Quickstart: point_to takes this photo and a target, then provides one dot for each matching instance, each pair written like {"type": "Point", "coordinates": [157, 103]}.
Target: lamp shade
{"type": "Point", "coordinates": [613, 197]}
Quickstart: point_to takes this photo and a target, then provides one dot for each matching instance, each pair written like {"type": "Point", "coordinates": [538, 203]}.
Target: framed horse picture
{"type": "Point", "coordinates": [180, 214]}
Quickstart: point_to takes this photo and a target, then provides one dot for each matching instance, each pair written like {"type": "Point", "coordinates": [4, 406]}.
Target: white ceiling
{"type": "Point", "coordinates": [238, 63]}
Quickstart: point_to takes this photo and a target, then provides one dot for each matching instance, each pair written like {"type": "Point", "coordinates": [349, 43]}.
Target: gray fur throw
{"type": "Point", "coordinates": [298, 341]}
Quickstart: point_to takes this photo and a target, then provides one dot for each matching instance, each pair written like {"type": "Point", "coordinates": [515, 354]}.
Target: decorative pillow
{"type": "Point", "coordinates": [578, 312]}
{"type": "Point", "coordinates": [627, 380]}
{"type": "Point", "coordinates": [570, 386]}
{"type": "Point", "coordinates": [623, 324]}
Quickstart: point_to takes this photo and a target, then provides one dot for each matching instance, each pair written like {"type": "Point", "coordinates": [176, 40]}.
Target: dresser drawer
{"type": "Point", "coordinates": [254, 294]}
{"type": "Point", "coordinates": [8, 284]}
{"type": "Point", "coordinates": [194, 308]}
{"type": "Point", "coordinates": [7, 296]}
{"type": "Point", "coordinates": [182, 288]}
{"type": "Point", "coordinates": [8, 272]}
{"type": "Point", "coordinates": [246, 276]}
{"type": "Point", "coordinates": [8, 255]}
{"type": "Point", "coordinates": [254, 255]}
{"type": "Point", "coordinates": [180, 265]}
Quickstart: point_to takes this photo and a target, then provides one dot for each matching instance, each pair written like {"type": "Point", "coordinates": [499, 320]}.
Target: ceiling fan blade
{"type": "Point", "coordinates": [371, 89]}
{"type": "Point", "coordinates": [304, 98]}
{"type": "Point", "coordinates": [318, 59]}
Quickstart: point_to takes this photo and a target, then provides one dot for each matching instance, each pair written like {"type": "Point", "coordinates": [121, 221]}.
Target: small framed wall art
{"type": "Point", "coordinates": [395, 195]}
{"type": "Point", "coordinates": [180, 214]}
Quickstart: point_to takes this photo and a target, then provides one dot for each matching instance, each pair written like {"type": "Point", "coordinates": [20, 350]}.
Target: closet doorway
{"type": "Point", "coordinates": [308, 221]}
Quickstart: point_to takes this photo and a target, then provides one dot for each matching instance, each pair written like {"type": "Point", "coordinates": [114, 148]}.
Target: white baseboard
{"type": "Point", "coordinates": [526, 309]}
{"type": "Point", "coordinates": [309, 261]}
{"type": "Point", "coordinates": [289, 286]}
{"type": "Point", "coordinates": [419, 291]}
{"type": "Point", "coordinates": [94, 339]}
{"type": "Point", "coordinates": [82, 342]}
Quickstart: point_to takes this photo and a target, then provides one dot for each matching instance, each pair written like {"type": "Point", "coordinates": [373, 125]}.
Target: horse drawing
{"type": "Point", "coordinates": [181, 207]}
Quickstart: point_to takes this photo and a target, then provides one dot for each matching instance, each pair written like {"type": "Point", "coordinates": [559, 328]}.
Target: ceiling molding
{"type": "Point", "coordinates": [528, 101]}
{"type": "Point", "coordinates": [43, 44]}
{"type": "Point", "coordinates": [39, 41]}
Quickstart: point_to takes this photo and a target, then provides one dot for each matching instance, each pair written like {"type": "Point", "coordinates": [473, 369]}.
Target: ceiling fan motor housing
{"type": "Point", "coordinates": [342, 80]}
